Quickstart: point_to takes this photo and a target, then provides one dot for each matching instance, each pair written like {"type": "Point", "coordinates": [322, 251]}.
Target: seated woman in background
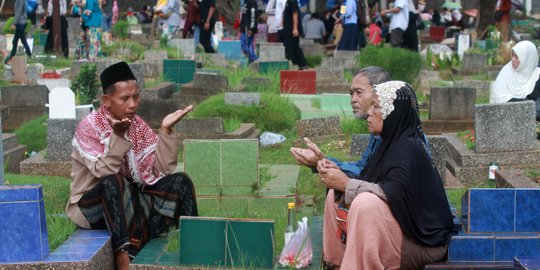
{"type": "Point", "coordinates": [398, 213]}
{"type": "Point", "coordinates": [519, 79]}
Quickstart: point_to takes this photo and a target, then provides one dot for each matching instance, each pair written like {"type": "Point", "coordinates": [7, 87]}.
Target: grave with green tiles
{"type": "Point", "coordinates": [323, 105]}
{"type": "Point", "coordinates": [222, 167]}
{"type": "Point", "coordinates": [178, 71]}
{"type": "Point", "coordinates": [273, 66]}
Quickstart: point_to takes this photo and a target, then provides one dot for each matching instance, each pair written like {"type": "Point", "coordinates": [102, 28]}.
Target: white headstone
{"type": "Point", "coordinates": [61, 103]}
{"type": "Point", "coordinates": [464, 42]}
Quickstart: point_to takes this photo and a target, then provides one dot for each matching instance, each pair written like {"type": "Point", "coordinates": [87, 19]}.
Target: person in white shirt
{"type": "Point", "coordinates": [278, 17]}
{"type": "Point", "coordinates": [273, 25]}
{"type": "Point", "coordinates": [399, 22]}
{"type": "Point", "coordinates": [446, 17]}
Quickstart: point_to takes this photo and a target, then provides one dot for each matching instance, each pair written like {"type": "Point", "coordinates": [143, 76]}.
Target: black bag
{"type": "Point", "coordinates": [498, 15]}
{"type": "Point", "coordinates": [419, 23]}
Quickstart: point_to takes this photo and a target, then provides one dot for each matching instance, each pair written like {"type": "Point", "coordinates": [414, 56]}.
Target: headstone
{"type": "Point", "coordinates": [271, 52]}
{"type": "Point", "coordinates": [439, 153]}
{"type": "Point", "coordinates": [298, 81]}
{"type": "Point", "coordinates": [155, 55]}
{"type": "Point", "coordinates": [164, 90]}
{"type": "Point", "coordinates": [506, 127]}
{"type": "Point", "coordinates": [54, 83]}
{"type": "Point", "coordinates": [61, 103]}
{"type": "Point", "coordinates": [330, 75]}
{"type": "Point", "coordinates": [18, 64]}
{"type": "Point", "coordinates": [205, 125]}
{"type": "Point", "coordinates": [452, 103]}
{"type": "Point", "coordinates": [318, 127]}
{"type": "Point", "coordinates": [83, 110]}
{"type": "Point", "coordinates": [238, 98]}
{"type": "Point", "coordinates": [210, 80]}
{"type": "Point", "coordinates": [186, 46]}
{"type": "Point", "coordinates": [230, 49]}
{"type": "Point", "coordinates": [266, 67]}
{"type": "Point", "coordinates": [344, 59]}
{"type": "Point", "coordinates": [482, 87]}
{"type": "Point", "coordinates": [33, 73]}
{"type": "Point", "coordinates": [474, 60]}
{"type": "Point", "coordinates": [138, 71]}
{"type": "Point", "coordinates": [59, 137]}
{"type": "Point", "coordinates": [464, 42]}
{"type": "Point", "coordinates": [178, 71]}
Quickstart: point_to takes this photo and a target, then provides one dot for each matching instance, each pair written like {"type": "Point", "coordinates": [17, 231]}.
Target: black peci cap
{"type": "Point", "coordinates": [116, 73]}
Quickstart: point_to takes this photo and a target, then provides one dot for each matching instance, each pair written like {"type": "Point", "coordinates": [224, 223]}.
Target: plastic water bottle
{"type": "Point", "coordinates": [493, 168]}
{"type": "Point", "coordinates": [289, 231]}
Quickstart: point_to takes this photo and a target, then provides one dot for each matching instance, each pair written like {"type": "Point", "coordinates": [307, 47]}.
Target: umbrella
{"type": "Point", "coordinates": [473, 12]}
{"type": "Point", "coordinates": [452, 5]}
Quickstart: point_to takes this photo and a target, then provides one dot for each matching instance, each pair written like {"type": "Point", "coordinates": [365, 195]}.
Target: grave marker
{"type": "Point", "coordinates": [61, 103]}
{"type": "Point", "coordinates": [505, 127]}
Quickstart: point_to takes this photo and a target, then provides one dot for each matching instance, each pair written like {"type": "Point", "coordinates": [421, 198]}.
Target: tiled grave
{"type": "Point", "coordinates": [23, 228]}
{"type": "Point", "coordinates": [227, 242]}
{"type": "Point", "coordinates": [271, 51]}
{"type": "Point", "coordinates": [298, 82]}
{"type": "Point", "coordinates": [336, 102]}
{"type": "Point", "coordinates": [310, 106]}
{"type": "Point", "coordinates": [283, 182]}
{"type": "Point", "coordinates": [501, 210]}
{"type": "Point", "coordinates": [178, 71]}
{"type": "Point", "coordinates": [222, 167]}
{"type": "Point", "coordinates": [232, 50]}
{"type": "Point", "coordinates": [266, 67]}
{"type": "Point", "coordinates": [527, 262]}
{"type": "Point", "coordinates": [186, 46]}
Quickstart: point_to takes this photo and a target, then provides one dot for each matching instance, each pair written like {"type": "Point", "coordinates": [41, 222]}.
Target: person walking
{"type": "Point", "coordinates": [20, 30]}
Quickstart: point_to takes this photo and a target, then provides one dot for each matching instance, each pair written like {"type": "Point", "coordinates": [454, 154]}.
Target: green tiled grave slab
{"type": "Point", "coordinates": [297, 97]}
{"type": "Point", "coordinates": [336, 102]}
{"type": "Point", "coordinates": [284, 181]}
{"type": "Point", "coordinates": [226, 167]}
{"type": "Point", "coordinates": [226, 242]}
{"type": "Point", "coordinates": [169, 258]}
{"type": "Point", "coordinates": [178, 71]}
{"type": "Point", "coordinates": [323, 114]}
{"type": "Point", "coordinates": [239, 164]}
{"type": "Point", "coordinates": [273, 66]}
{"type": "Point", "coordinates": [202, 162]}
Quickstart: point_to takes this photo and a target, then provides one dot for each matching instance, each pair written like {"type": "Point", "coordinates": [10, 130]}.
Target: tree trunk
{"type": "Point", "coordinates": [486, 16]}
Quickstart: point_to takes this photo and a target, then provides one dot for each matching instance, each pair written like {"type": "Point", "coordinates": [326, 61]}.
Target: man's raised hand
{"type": "Point", "coordinates": [170, 120]}
{"type": "Point", "coordinates": [119, 127]}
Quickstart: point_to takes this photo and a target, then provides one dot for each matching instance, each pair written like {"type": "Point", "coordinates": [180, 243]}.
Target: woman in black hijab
{"type": "Point", "coordinates": [398, 215]}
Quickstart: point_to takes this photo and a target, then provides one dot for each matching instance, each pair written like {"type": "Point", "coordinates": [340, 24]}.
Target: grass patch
{"type": "Point", "coordinates": [533, 174]}
{"type": "Point", "coordinates": [352, 125]}
{"type": "Point", "coordinates": [313, 60]}
{"type": "Point", "coordinates": [274, 114]}
{"type": "Point", "coordinates": [231, 124]}
{"type": "Point", "coordinates": [50, 62]}
{"type": "Point", "coordinates": [33, 134]}
{"type": "Point", "coordinates": [56, 195]}
{"type": "Point", "coordinates": [468, 138]}
{"type": "Point", "coordinates": [235, 75]}
{"type": "Point", "coordinates": [316, 103]}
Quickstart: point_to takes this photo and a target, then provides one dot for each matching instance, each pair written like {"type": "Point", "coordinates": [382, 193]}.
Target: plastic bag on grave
{"type": "Point", "coordinates": [298, 252]}
{"type": "Point", "coordinates": [268, 139]}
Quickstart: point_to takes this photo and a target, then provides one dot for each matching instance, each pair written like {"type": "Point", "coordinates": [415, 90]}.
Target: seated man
{"type": "Point", "coordinates": [361, 92]}
{"type": "Point", "coordinates": [122, 172]}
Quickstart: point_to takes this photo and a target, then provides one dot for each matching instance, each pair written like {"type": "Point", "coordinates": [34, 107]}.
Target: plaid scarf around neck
{"type": "Point", "coordinates": [92, 138]}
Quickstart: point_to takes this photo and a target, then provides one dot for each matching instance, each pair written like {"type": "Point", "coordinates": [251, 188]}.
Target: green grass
{"type": "Point", "coordinates": [231, 124]}
{"type": "Point", "coordinates": [55, 62]}
{"type": "Point", "coordinates": [56, 195]}
{"type": "Point", "coordinates": [33, 134]}
{"type": "Point", "coordinates": [351, 125]}
{"type": "Point", "coordinates": [273, 114]}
